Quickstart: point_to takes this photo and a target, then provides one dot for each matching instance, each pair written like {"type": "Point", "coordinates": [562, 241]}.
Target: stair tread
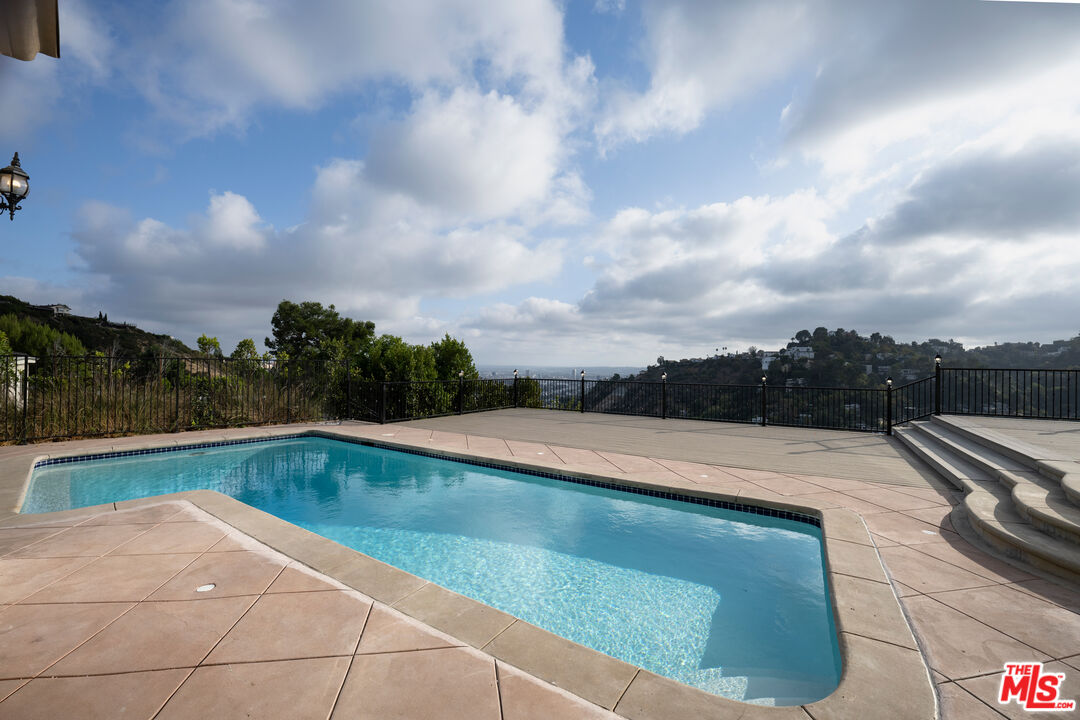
{"type": "Point", "coordinates": [958, 467]}
{"type": "Point", "coordinates": [986, 457]}
{"type": "Point", "coordinates": [1015, 505]}
{"type": "Point", "coordinates": [983, 509]}
{"type": "Point", "coordinates": [1002, 440]}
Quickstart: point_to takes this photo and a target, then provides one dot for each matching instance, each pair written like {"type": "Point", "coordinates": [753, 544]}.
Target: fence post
{"type": "Point", "coordinates": [176, 398]}
{"type": "Point", "coordinates": [888, 406]}
{"type": "Point", "coordinates": [582, 391]}
{"type": "Point", "coordinates": [663, 397]}
{"type": "Point", "coordinates": [460, 391]}
{"type": "Point", "coordinates": [25, 396]}
{"type": "Point", "coordinates": [348, 391]}
{"type": "Point", "coordinates": [515, 389]}
{"type": "Point", "coordinates": [937, 385]}
{"type": "Point", "coordinates": [764, 403]}
{"type": "Point", "coordinates": [382, 403]}
{"type": "Point", "coordinates": [288, 395]}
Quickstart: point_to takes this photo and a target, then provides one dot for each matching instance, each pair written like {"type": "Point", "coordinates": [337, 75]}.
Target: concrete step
{"type": "Point", "coordinates": [1037, 497]}
{"type": "Point", "coordinates": [952, 468]}
{"type": "Point", "coordinates": [1010, 533]}
{"type": "Point", "coordinates": [1011, 506]}
{"type": "Point", "coordinates": [1054, 465]}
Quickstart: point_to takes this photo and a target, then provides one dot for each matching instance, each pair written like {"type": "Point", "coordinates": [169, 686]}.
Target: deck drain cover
{"type": "Point", "coordinates": [206, 588]}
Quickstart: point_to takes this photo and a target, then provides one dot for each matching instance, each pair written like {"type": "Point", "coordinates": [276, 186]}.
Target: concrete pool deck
{"type": "Point", "coordinates": [970, 611]}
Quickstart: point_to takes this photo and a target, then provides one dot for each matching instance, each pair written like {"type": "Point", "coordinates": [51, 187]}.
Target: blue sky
{"type": "Point", "coordinates": [580, 182]}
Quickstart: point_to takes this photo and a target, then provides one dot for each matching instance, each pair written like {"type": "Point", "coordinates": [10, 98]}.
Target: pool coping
{"type": "Point", "coordinates": [884, 673]}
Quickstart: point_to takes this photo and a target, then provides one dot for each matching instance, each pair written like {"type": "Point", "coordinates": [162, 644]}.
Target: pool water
{"type": "Point", "coordinates": [731, 602]}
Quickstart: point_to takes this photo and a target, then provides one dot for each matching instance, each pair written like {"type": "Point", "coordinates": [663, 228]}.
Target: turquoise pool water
{"type": "Point", "coordinates": [730, 602]}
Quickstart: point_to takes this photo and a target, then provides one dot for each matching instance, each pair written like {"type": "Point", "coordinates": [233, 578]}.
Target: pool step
{"type": "Point", "coordinates": [1013, 502]}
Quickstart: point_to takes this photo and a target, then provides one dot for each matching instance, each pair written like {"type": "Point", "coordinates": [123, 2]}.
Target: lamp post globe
{"type": "Point", "coordinates": [14, 186]}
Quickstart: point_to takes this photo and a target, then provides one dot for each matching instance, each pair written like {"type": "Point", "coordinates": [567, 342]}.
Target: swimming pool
{"type": "Point", "coordinates": [727, 601]}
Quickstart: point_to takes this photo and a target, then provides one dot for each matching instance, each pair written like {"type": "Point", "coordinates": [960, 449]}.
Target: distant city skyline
{"type": "Point", "coordinates": [593, 182]}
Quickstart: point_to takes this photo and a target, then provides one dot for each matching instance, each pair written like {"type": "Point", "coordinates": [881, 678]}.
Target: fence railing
{"type": "Point", "coordinates": [65, 397]}
{"type": "Point", "coordinates": [1047, 394]}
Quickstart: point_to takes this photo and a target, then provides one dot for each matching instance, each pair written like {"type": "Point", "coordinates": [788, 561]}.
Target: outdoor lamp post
{"type": "Point", "coordinates": [937, 384]}
{"type": "Point", "coordinates": [14, 186]}
{"type": "Point", "coordinates": [888, 406]}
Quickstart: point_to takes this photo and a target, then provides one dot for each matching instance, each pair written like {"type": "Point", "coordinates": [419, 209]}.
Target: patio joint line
{"type": "Point", "coordinates": [107, 625]}
{"type": "Point", "coordinates": [352, 659]}
{"type": "Point", "coordinates": [498, 688]}
{"type": "Point", "coordinates": [979, 699]}
{"type": "Point", "coordinates": [7, 556]}
{"type": "Point", "coordinates": [22, 600]}
{"type": "Point", "coordinates": [412, 650]}
{"type": "Point", "coordinates": [403, 598]}
{"type": "Point", "coordinates": [243, 614]}
{"type": "Point", "coordinates": [886, 642]}
{"type": "Point", "coordinates": [960, 567]}
{"type": "Point", "coordinates": [619, 699]}
{"type": "Point", "coordinates": [860, 577]}
{"type": "Point", "coordinates": [173, 693]}
{"type": "Point", "coordinates": [496, 637]}
{"type": "Point", "coordinates": [988, 626]}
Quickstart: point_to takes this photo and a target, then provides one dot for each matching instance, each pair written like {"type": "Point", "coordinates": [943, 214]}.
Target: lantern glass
{"type": "Point", "coordinates": [19, 186]}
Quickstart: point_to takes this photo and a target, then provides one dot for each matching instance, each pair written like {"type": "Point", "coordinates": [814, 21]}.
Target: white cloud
{"type": "Point", "coordinates": [981, 245]}
{"type": "Point", "coordinates": [704, 55]}
{"type": "Point", "coordinates": [213, 63]}
{"type": "Point", "coordinates": [374, 254]}
{"type": "Point", "coordinates": [480, 154]}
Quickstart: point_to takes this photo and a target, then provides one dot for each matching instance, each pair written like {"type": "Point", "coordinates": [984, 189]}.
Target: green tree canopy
{"type": "Point", "coordinates": [32, 338]}
{"type": "Point", "coordinates": [452, 356]}
{"type": "Point", "coordinates": [391, 358]}
{"type": "Point", "coordinates": [245, 350]}
{"type": "Point", "coordinates": [303, 332]}
{"type": "Point", "coordinates": [209, 345]}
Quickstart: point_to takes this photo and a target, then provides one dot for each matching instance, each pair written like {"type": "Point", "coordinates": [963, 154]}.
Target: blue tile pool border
{"type": "Point", "coordinates": [648, 492]}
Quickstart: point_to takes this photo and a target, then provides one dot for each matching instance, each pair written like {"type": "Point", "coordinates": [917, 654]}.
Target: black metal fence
{"type": "Point", "coordinates": [65, 397]}
{"type": "Point", "coordinates": [1046, 394]}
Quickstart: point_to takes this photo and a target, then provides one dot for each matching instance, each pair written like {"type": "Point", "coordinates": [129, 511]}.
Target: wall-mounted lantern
{"type": "Point", "coordinates": [14, 186]}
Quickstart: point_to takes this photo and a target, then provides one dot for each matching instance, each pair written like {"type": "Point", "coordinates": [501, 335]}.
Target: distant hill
{"type": "Point", "coordinates": [97, 335]}
{"type": "Point", "coordinates": [844, 358]}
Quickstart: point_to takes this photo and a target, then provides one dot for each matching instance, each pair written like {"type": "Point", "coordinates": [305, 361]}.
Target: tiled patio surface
{"type": "Point", "coordinates": [103, 619]}
{"type": "Point", "coordinates": [808, 451]}
{"type": "Point", "coordinates": [971, 612]}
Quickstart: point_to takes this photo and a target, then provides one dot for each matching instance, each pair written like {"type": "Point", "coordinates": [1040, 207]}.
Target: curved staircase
{"type": "Point", "coordinates": [1021, 499]}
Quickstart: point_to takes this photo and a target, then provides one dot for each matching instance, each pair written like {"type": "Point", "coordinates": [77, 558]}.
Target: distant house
{"type": "Point", "coordinates": [767, 359]}
{"type": "Point", "coordinates": [58, 309]}
{"type": "Point", "coordinates": [801, 353]}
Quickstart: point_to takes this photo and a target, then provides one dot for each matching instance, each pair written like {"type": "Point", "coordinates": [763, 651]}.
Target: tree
{"type": "Point", "coordinates": [451, 356]}
{"type": "Point", "coordinates": [209, 345]}
{"type": "Point", "coordinates": [803, 337]}
{"type": "Point", "coordinates": [303, 331]}
{"type": "Point", "coordinates": [32, 338]}
{"type": "Point", "coordinates": [245, 350]}
{"type": "Point", "coordinates": [393, 359]}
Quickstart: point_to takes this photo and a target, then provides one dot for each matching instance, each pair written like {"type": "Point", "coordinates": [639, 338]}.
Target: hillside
{"type": "Point", "coordinates": [96, 335]}
{"type": "Point", "coordinates": [843, 358]}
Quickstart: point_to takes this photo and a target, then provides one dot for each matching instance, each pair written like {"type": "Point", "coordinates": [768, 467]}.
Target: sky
{"type": "Point", "coordinates": [577, 182]}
